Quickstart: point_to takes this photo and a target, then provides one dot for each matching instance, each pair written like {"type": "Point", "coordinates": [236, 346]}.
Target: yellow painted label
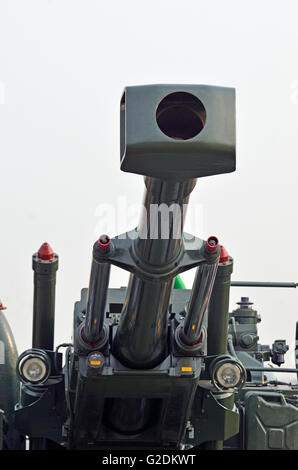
{"type": "Point", "coordinates": [186, 369]}
{"type": "Point", "coordinates": [95, 363]}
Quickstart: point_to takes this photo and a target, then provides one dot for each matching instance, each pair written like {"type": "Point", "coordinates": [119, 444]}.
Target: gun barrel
{"type": "Point", "coordinates": [161, 225]}
{"type": "Point", "coordinates": [141, 336]}
{"type": "Point", "coordinates": [97, 292]}
{"type": "Point", "coordinates": [140, 341]}
{"type": "Point", "coordinates": [218, 311]}
{"type": "Point", "coordinates": [198, 303]}
{"type": "Point", "coordinates": [97, 296]}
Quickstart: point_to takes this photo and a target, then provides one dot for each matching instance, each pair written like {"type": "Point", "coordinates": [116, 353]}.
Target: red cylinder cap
{"type": "Point", "coordinates": [224, 255]}
{"type": "Point", "coordinates": [104, 242]}
{"type": "Point", "coordinates": [212, 244]}
{"type": "Point", "coordinates": [45, 252]}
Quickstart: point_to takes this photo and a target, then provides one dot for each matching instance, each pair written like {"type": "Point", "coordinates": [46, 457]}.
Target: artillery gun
{"type": "Point", "coordinates": [153, 365]}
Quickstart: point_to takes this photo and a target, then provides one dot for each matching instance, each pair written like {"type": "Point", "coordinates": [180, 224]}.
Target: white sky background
{"type": "Point", "coordinates": [63, 66]}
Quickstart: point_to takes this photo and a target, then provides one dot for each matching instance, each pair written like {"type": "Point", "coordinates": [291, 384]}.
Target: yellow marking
{"type": "Point", "coordinates": [95, 363]}
{"type": "Point", "coordinates": [186, 369]}
{"type": "Point", "coordinates": [193, 326]}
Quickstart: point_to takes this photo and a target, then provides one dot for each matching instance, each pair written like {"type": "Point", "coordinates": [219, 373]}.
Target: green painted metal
{"type": "Point", "coordinates": [271, 421]}
{"type": "Point", "coordinates": [210, 152]}
{"type": "Point", "coordinates": [179, 284]}
{"type": "Point", "coordinates": [9, 383]}
{"type": "Point", "coordinates": [8, 358]}
{"type": "Point", "coordinates": [215, 418]}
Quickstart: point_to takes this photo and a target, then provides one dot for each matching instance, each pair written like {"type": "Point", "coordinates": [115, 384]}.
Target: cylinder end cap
{"type": "Point", "coordinates": [104, 242]}
{"type": "Point", "coordinates": [224, 255]}
{"type": "Point", "coordinates": [212, 244]}
{"type": "Point", "coordinates": [45, 252]}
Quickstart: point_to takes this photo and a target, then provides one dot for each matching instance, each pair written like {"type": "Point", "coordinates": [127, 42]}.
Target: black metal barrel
{"type": "Point", "coordinates": [97, 293]}
{"type": "Point", "coordinates": [141, 339]}
{"type": "Point", "coordinates": [198, 303]}
{"type": "Point", "coordinates": [218, 311]}
{"type": "Point", "coordinates": [45, 265]}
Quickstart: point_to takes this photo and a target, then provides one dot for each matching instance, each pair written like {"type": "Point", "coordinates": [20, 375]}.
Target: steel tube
{"type": "Point", "coordinates": [44, 301]}
{"type": "Point", "coordinates": [142, 334]}
{"type": "Point", "coordinates": [161, 225]}
{"type": "Point", "coordinates": [96, 303]}
{"type": "Point", "coordinates": [218, 311]}
{"type": "Point", "coordinates": [141, 337]}
{"type": "Point", "coordinates": [263, 284]}
{"type": "Point", "coordinates": [198, 303]}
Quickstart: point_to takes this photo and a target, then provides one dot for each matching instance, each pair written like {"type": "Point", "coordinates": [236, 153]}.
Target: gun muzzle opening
{"type": "Point", "coordinates": [104, 242]}
{"type": "Point", "coordinates": [212, 244]}
{"type": "Point", "coordinates": [181, 115]}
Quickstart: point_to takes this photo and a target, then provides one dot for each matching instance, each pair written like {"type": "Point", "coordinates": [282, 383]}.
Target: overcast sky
{"type": "Point", "coordinates": [63, 66]}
